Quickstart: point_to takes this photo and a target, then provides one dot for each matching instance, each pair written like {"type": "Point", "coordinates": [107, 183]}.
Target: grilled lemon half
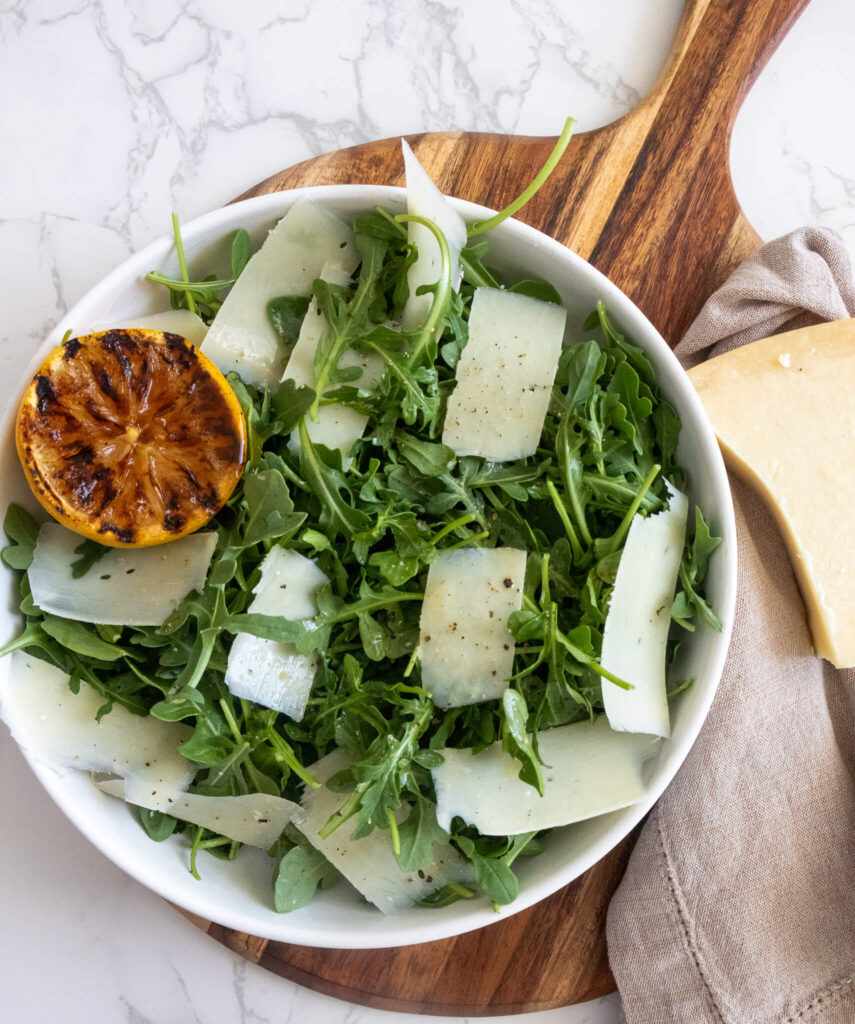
{"type": "Point", "coordinates": [131, 437]}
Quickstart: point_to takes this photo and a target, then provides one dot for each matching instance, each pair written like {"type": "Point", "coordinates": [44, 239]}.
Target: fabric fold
{"type": "Point", "coordinates": [738, 904]}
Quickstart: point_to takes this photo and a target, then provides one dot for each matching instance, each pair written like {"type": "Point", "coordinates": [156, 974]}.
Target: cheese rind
{"type": "Point", "coordinates": [268, 672]}
{"type": "Point", "coordinates": [465, 645]}
{"type": "Point", "coordinates": [635, 635]}
{"type": "Point", "coordinates": [589, 769]}
{"type": "Point", "coordinates": [504, 376]}
{"type": "Point", "coordinates": [241, 337]}
{"type": "Point", "coordinates": [127, 587]}
{"type": "Point", "coordinates": [783, 410]}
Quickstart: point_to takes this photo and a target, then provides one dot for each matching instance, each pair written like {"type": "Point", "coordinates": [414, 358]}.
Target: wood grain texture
{"type": "Point", "coordinates": [649, 201]}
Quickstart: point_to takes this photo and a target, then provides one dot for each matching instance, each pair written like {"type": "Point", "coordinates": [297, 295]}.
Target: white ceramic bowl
{"type": "Point", "coordinates": [238, 894]}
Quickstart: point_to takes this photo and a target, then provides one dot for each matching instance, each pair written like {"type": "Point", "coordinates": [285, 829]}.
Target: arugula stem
{"type": "Point", "coordinates": [364, 293]}
{"type": "Point", "coordinates": [478, 278]}
{"type": "Point", "coordinates": [545, 594]}
{"type": "Point", "coordinates": [620, 490]}
{"type": "Point", "coordinates": [197, 838]}
{"type": "Point", "coordinates": [615, 541]}
{"type": "Point", "coordinates": [284, 754]}
{"type": "Point", "coordinates": [236, 756]}
{"type": "Point", "coordinates": [347, 810]}
{"type": "Point", "coordinates": [182, 262]}
{"type": "Point", "coordinates": [442, 289]}
{"type": "Point", "coordinates": [393, 828]}
{"type": "Point", "coordinates": [230, 720]}
{"type": "Point", "coordinates": [469, 540]}
{"type": "Point", "coordinates": [450, 527]}
{"type": "Point", "coordinates": [479, 227]}
{"type": "Point", "coordinates": [490, 495]}
{"type": "Point", "coordinates": [591, 663]}
{"type": "Point", "coordinates": [384, 213]}
{"type": "Point", "coordinates": [565, 519]}
{"type": "Point", "coordinates": [411, 664]}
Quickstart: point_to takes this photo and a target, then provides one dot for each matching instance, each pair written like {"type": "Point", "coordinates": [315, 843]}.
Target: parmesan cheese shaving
{"type": "Point", "coordinates": [256, 819]}
{"type": "Point", "coordinates": [126, 587]}
{"type": "Point", "coordinates": [241, 338]}
{"type": "Point", "coordinates": [59, 729]}
{"type": "Point", "coordinates": [635, 636]}
{"type": "Point", "coordinates": [424, 199]}
{"type": "Point", "coordinates": [589, 770]}
{"type": "Point", "coordinates": [465, 645]}
{"type": "Point", "coordinates": [268, 672]}
{"type": "Point", "coordinates": [504, 376]}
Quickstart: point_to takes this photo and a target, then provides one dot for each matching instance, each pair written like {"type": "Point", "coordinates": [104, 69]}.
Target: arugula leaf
{"type": "Point", "coordinates": [286, 314]}
{"type": "Point", "coordinates": [241, 251]}
{"type": "Point", "coordinates": [534, 288]}
{"type": "Point", "coordinates": [23, 530]}
{"type": "Point", "coordinates": [81, 639]}
{"type": "Point", "coordinates": [298, 875]}
{"type": "Point", "coordinates": [418, 834]}
{"type": "Point", "coordinates": [270, 511]}
{"type": "Point", "coordinates": [90, 554]}
{"type": "Point", "coordinates": [515, 739]}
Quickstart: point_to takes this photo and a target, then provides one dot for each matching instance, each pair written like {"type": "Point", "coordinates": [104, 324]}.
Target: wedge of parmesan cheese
{"type": "Point", "coordinates": [425, 200]}
{"type": "Point", "coordinates": [270, 673]}
{"type": "Point", "coordinates": [465, 645]}
{"type": "Point", "coordinates": [589, 770]}
{"type": "Point", "coordinates": [337, 426]}
{"type": "Point", "coordinates": [504, 376]}
{"type": "Point", "coordinates": [241, 337]}
{"type": "Point", "coordinates": [256, 819]}
{"type": "Point", "coordinates": [126, 587]}
{"type": "Point", "coordinates": [368, 863]}
{"type": "Point", "coordinates": [59, 729]}
{"type": "Point", "coordinates": [173, 321]}
{"type": "Point", "coordinates": [783, 410]}
{"type": "Point", "coordinates": [635, 635]}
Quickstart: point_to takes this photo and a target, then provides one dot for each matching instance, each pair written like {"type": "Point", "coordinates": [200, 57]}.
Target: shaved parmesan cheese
{"type": "Point", "coordinates": [58, 728]}
{"type": "Point", "coordinates": [368, 863]}
{"type": "Point", "coordinates": [270, 673]}
{"type": "Point", "coordinates": [173, 321]}
{"type": "Point", "coordinates": [241, 337]}
{"type": "Point", "coordinates": [337, 426]}
{"type": "Point", "coordinates": [589, 770]}
{"type": "Point", "coordinates": [425, 200]}
{"type": "Point", "coordinates": [256, 819]}
{"type": "Point", "coordinates": [635, 635]}
{"type": "Point", "coordinates": [504, 376]}
{"type": "Point", "coordinates": [465, 645]}
{"type": "Point", "coordinates": [127, 587]}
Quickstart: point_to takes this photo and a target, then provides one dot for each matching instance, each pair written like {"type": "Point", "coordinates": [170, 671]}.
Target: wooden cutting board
{"type": "Point", "coordinates": [649, 201]}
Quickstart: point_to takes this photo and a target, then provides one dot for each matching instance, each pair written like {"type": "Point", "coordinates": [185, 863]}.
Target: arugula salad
{"type": "Point", "coordinates": [434, 619]}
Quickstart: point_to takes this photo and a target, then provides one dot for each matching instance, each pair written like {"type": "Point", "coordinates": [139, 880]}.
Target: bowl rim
{"type": "Point", "coordinates": [436, 925]}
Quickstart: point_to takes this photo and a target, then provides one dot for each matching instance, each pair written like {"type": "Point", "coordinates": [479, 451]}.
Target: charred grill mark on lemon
{"type": "Point", "coordinates": [131, 437]}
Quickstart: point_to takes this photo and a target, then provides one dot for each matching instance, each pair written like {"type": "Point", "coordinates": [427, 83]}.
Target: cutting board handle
{"type": "Point", "coordinates": [734, 37]}
{"type": "Point", "coordinates": [670, 218]}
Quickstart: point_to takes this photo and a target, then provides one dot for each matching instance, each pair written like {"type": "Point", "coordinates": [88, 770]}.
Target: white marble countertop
{"type": "Point", "coordinates": [116, 113]}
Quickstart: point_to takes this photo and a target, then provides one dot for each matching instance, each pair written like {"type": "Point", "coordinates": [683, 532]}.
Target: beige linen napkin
{"type": "Point", "coordinates": [738, 904]}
